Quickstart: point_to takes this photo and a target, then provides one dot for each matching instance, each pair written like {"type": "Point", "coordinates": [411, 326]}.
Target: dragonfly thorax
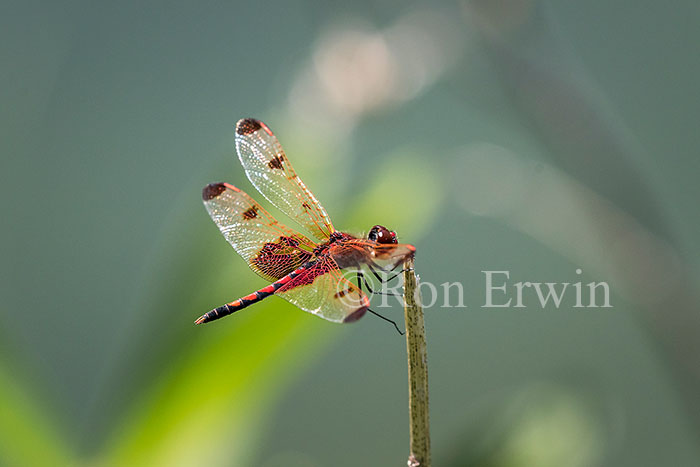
{"type": "Point", "coordinates": [335, 237]}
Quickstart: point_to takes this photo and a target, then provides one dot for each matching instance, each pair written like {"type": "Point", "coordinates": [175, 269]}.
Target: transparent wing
{"type": "Point", "coordinates": [323, 291]}
{"type": "Point", "coordinates": [271, 249]}
{"type": "Point", "coordinates": [358, 252]}
{"type": "Point", "coordinates": [269, 170]}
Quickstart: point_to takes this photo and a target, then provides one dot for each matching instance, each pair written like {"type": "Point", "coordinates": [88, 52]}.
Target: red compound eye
{"type": "Point", "coordinates": [381, 234]}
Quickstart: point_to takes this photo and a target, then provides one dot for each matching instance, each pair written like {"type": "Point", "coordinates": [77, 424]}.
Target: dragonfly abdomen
{"type": "Point", "coordinates": [239, 304]}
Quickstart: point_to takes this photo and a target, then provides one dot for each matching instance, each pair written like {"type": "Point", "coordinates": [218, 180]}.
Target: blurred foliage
{"type": "Point", "coordinates": [29, 435]}
{"type": "Point", "coordinates": [539, 425]}
{"type": "Point", "coordinates": [532, 136]}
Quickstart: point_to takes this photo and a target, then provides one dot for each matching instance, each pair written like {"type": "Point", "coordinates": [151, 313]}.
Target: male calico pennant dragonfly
{"type": "Point", "coordinates": [305, 272]}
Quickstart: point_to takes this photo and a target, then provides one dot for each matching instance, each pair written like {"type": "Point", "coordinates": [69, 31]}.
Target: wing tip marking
{"type": "Point", "coordinates": [214, 190]}
{"type": "Point", "coordinates": [246, 126]}
{"type": "Point", "coordinates": [355, 315]}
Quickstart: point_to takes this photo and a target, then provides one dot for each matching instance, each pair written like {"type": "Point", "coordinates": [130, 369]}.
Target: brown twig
{"type": "Point", "coordinates": [418, 411]}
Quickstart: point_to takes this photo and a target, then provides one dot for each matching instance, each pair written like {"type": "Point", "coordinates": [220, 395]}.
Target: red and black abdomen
{"type": "Point", "coordinates": [248, 300]}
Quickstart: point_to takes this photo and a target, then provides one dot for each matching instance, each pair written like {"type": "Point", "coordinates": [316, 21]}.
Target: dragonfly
{"type": "Point", "coordinates": [308, 272]}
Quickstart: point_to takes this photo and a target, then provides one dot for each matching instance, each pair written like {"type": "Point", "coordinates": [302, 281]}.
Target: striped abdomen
{"type": "Point", "coordinates": [255, 297]}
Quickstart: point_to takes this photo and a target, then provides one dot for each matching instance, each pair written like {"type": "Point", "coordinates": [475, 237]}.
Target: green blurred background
{"type": "Point", "coordinates": [533, 137]}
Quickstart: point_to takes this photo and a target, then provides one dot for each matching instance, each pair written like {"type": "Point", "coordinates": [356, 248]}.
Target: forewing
{"type": "Point", "coordinates": [270, 172]}
{"type": "Point", "coordinates": [323, 291]}
{"type": "Point", "coordinates": [358, 252]}
{"type": "Point", "coordinates": [391, 256]}
{"type": "Point", "coordinates": [270, 248]}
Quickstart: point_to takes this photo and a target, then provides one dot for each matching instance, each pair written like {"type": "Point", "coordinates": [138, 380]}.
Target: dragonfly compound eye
{"type": "Point", "coordinates": [381, 234]}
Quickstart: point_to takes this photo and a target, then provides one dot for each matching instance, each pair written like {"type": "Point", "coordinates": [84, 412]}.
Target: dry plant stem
{"type": "Point", "coordinates": [417, 371]}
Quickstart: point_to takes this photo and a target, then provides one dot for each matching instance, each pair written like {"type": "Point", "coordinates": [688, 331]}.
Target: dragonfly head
{"type": "Point", "coordinates": [381, 234]}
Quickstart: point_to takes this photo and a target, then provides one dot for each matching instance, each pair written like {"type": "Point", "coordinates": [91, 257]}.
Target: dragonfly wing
{"type": "Point", "coordinates": [270, 248]}
{"type": "Point", "coordinates": [272, 174]}
{"type": "Point", "coordinates": [323, 291]}
{"type": "Point", "coordinates": [358, 252]}
{"type": "Point", "coordinates": [390, 256]}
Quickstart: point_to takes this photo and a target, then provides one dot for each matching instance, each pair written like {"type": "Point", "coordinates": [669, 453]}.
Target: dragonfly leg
{"type": "Point", "coordinates": [361, 279]}
{"type": "Point", "coordinates": [386, 319]}
{"type": "Point", "coordinates": [375, 271]}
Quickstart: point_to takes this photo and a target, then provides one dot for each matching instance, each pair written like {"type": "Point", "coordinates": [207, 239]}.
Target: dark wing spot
{"type": "Point", "coordinates": [213, 190]}
{"type": "Point", "coordinates": [276, 163]}
{"type": "Point", "coordinates": [247, 126]}
{"type": "Point", "coordinates": [355, 315]}
{"type": "Point", "coordinates": [343, 293]}
{"type": "Point", "coordinates": [251, 213]}
{"type": "Point", "coordinates": [306, 206]}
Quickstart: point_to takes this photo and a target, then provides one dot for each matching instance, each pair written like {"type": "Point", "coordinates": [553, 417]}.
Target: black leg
{"type": "Point", "coordinates": [376, 274]}
{"type": "Point", "coordinates": [361, 279]}
{"type": "Point", "coordinates": [386, 319]}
